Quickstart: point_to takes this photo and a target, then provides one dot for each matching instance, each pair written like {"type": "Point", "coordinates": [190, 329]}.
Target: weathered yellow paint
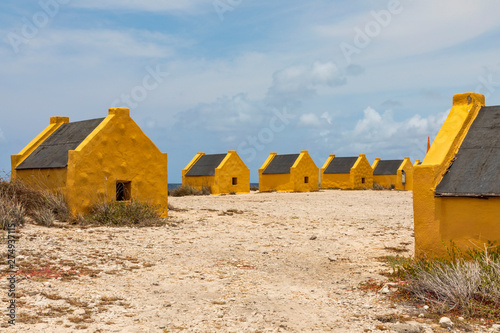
{"type": "Point", "coordinates": [468, 222]}
{"type": "Point", "coordinates": [116, 151]}
{"type": "Point", "coordinates": [396, 180]}
{"type": "Point", "coordinates": [222, 181]}
{"type": "Point", "coordinates": [295, 181]}
{"type": "Point", "coordinates": [360, 177]}
{"type": "Point", "coordinates": [53, 179]}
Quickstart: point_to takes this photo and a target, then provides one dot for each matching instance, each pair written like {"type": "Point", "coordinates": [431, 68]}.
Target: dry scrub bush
{"type": "Point", "coordinates": [466, 283]}
{"type": "Point", "coordinates": [41, 205]}
{"type": "Point", "coordinates": [185, 190]}
{"type": "Point", "coordinates": [133, 213]}
{"type": "Point", "coordinates": [11, 213]}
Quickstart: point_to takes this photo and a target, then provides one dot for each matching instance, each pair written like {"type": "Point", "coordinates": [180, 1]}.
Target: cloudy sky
{"type": "Point", "coordinates": [333, 77]}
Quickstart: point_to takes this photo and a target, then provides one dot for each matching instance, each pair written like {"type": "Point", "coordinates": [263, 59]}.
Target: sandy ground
{"type": "Point", "coordinates": [262, 262]}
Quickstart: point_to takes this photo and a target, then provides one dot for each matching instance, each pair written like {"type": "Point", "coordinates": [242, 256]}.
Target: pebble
{"type": "Point", "coordinates": [445, 322]}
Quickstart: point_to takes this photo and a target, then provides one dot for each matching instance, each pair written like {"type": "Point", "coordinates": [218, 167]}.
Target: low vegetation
{"type": "Point", "coordinates": [185, 190]}
{"type": "Point", "coordinates": [133, 213]}
{"type": "Point", "coordinates": [18, 201]}
{"type": "Point", "coordinates": [467, 284]}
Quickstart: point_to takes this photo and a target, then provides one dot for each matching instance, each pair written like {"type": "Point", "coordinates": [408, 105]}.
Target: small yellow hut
{"type": "Point", "coordinates": [289, 173]}
{"type": "Point", "coordinates": [456, 191]}
{"type": "Point", "coordinates": [347, 173]}
{"type": "Point", "coordinates": [222, 173]}
{"type": "Point", "coordinates": [93, 160]}
{"type": "Point", "coordinates": [396, 174]}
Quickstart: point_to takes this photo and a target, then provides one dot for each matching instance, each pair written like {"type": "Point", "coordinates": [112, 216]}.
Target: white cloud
{"type": "Point", "coordinates": [227, 115]}
{"type": "Point", "coordinates": [326, 116]}
{"type": "Point", "coordinates": [298, 82]}
{"type": "Point", "coordinates": [382, 134]}
{"type": "Point", "coordinates": [145, 5]}
{"type": "Point", "coordinates": [309, 120]}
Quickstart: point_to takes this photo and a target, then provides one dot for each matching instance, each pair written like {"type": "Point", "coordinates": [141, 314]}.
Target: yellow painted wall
{"type": "Point", "coordinates": [469, 221]}
{"type": "Point", "coordinates": [439, 220]}
{"type": "Point", "coordinates": [200, 182]}
{"type": "Point", "coordinates": [353, 180]}
{"type": "Point", "coordinates": [53, 179]}
{"type": "Point", "coordinates": [294, 181]}
{"type": "Point", "coordinates": [386, 181]}
{"type": "Point", "coordinates": [303, 167]}
{"type": "Point", "coordinates": [407, 166]}
{"type": "Point", "coordinates": [361, 170]}
{"type": "Point", "coordinates": [117, 150]}
{"type": "Point", "coordinates": [231, 166]}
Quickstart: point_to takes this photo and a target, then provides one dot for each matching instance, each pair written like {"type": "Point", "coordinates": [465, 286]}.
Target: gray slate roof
{"type": "Point", "coordinates": [341, 165]}
{"type": "Point", "coordinates": [281, 164]}
{"type": "Point", "coordinates": [205, 166]}
{"type": "Point", "coordinates": [53, 152]}
{"type": "Point", "coordinates": [475, 171]}
{"type": "Point", "coordinates": [387, 167]}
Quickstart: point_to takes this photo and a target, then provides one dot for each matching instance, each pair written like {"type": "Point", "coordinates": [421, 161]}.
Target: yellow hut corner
{"type": "Point", "coordinates": [347, 173]}
{"type": "Point", "coordinates": [94, 160]}
{"type": "Point", "coordinates": [456, 190]}
{"type": "Point", "coordinates": [396, 174]}
{"type": "Point", "coordinates": [289, 173]}
{"type": "Point", "coordinates": [222, 173]}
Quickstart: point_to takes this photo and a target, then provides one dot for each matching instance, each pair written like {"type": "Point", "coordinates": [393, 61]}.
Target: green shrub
{"type": "Point", "coordinates": [254, 188]}
{"type": "Point", "coordinates": [133, 213]}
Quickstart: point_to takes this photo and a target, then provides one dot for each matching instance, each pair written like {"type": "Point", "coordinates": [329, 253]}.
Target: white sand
{"type": "Point", "coordinates": [258, 270]}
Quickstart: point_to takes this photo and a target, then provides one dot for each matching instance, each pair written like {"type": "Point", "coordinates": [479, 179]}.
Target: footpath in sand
{"type": "Point", "coordinates": [262, 262]}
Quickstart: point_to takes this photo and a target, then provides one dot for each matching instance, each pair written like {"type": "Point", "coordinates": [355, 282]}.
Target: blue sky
{"type": "Point", "coordinates": [332, 77]}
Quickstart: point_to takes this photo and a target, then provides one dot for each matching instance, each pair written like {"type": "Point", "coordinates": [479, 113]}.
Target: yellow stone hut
{"type": "Point", "coordinates": [396, 174]}
{"type": "Point", "coordinates": [222, 173]}
{"type": "Point", "coordinates": [347, 173]}
{"type": "Point", "coordinates": [93, 160]}
{"type": "Point", "coordinates": [456, 191]}
{"type": "Point", "coordinates": [289, 173]}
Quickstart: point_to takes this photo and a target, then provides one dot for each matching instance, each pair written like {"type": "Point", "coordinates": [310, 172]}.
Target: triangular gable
{"type": "Point", "coordinates": [205, 166]}
{"type": "Point", "coordinates": [387, 167]}
{"type": "Point", "coordinates": [475, 170]}
{"type": "Point", "coordinates": [341, 165]}
{"type": "Point", "coordinates": [281, 164]}
{"type": "Point", "coordinates": [53, 152]}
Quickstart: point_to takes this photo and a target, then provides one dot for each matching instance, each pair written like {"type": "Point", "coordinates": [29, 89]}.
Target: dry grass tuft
{"type": "Point", "coordinates": [186, 190]}
{"type": "Point", "coordinates": [464, 283]}
{"type": "Point", "coordinates": [18, 200]}
{"type": "Point", "coordinates": [133, 213]}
